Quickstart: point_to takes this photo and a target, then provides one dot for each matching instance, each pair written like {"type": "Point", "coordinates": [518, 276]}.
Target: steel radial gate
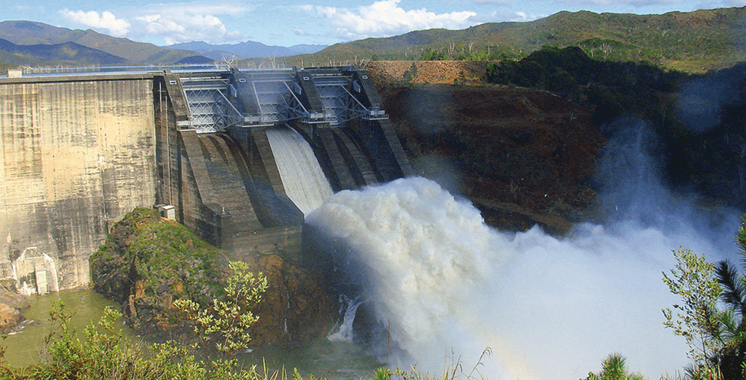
{"type": "Point", "coordinates": [220, 100]}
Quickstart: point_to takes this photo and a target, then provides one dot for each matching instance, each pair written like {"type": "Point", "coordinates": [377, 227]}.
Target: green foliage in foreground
{"type": "Point", "coordinates": [614, 368]}
{"type": "Point", "coordinates": [696, 318]}
{"type": "Point", "coordinates": [231, 318]}
{"type": "Point", "coordinates": [716, 334]}
{"type": "Point", "coordinates": [103, 352]}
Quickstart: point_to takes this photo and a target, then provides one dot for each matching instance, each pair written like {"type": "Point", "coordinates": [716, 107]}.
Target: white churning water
{"type": "Point", "coordinates": [548, 308]}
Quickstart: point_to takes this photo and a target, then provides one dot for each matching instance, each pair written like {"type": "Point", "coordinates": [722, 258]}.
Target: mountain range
{"type": "Point", "coordinates": [687, 41]}
{"type": "Point", "coordinates": [34, 35]}
{"type": "Point", "coordinates": [35, 43]}
{"type": "Point", "coordinates": [243, 50]}
{"type": "Point", "coordinates": [70, 53]}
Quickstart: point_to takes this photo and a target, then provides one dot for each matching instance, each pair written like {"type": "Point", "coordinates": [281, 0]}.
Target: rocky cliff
{"type": "Point", "coordinates": [524, 157]}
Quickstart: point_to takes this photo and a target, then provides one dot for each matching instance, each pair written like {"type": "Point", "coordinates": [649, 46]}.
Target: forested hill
{"type": "Point", "coordinates": [692, 42]}
{"type": "Point", "coordinates": [32, 36]}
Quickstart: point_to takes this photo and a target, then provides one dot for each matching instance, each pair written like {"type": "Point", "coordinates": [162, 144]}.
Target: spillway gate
{"type": "Point", "coordinates": [219, 100]}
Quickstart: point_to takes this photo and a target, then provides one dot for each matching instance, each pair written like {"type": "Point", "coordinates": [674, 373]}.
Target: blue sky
{"type": "Point", "coordinates": [291, 22]}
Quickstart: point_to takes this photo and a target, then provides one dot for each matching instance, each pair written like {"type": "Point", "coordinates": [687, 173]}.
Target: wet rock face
{"type": "Point", "coordinates": [148, 262]}
{"type": "Point", "coordinates": [10, 305]}
{"type": "Point", "coordinates": [296, 307]}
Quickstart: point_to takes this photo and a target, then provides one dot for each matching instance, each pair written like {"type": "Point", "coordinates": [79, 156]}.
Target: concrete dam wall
{"type": "Point", "coordinates": [75, 156]}
{"type": "Point", "coordinates": [79, 152]}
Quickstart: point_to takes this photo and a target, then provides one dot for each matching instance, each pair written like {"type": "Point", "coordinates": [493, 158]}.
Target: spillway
{"type": "Point", "coordinates": [304, 180]}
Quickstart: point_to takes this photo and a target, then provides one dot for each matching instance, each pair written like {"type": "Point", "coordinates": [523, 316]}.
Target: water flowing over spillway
{"type": "Point", "coordinates": [547, 308]}
{"type": "Point", "coordinates": [304, 181]}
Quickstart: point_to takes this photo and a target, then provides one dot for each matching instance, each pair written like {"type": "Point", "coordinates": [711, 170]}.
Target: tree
{"type": "Point", "coordinates": [229, 319]}
{"type": "Point", "coordinates": [697, 318]}
{"type": "Point", "coordinates": [614, 367]}
{"type": "Point", "coordinates": [103, 353]}
{"type": "Point", "coordinates": [716, 336]}
{"type": "Point", "coordinates": [733, 352]}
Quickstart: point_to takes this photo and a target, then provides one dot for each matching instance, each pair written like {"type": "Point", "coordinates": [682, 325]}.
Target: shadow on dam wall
{"type": "Point", "coordinates": [78, 152]}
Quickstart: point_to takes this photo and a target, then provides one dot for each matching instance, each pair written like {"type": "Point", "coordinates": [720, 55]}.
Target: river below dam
{"type": "Point", "coordinates": [334, 360]}
{"type": "Point", "coordinates": [25, 343]}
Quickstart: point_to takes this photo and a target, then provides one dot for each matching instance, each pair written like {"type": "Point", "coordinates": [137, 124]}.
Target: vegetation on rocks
{"type": "Point", "coordinates": [147, 262]}
{"type": "Point", "coordinates": [160, 273]}
{"type": "Point", "coordinates": [229, 319]}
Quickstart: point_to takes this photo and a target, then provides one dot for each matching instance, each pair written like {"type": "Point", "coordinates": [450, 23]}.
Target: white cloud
{"type": "Point", "coordinates": [504, 16]}
{"type": "Point", "coordinates": [498, 2]}
{"type": "Point", "coordinates": [201, 8]}
{"type": "Point", "coordinates": [299, 32]}
{"type": "Point", "coordinates": [186, 27]}
{"type": "Point", "coordinates": [186, 22]}
{"type": "Point", "coordinates": [634, 3]}
{"type": "Point", "coordinates": [171, 23]}
{"type": "Point", "coordinates": [106, 21]}
{"type": "Point", "coordinates": [386, 18]}
{"type": "Point", "coordinates": [29, 8]}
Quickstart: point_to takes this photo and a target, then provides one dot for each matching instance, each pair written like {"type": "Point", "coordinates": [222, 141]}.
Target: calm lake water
{"type": "Point", "coordinates": [24, 345]}
{"type": "Point", "coordinates": [334, 360]}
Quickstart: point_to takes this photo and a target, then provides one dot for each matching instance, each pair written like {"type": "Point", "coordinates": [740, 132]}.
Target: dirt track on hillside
{"type": "Point", "coordinates": [386, 73]}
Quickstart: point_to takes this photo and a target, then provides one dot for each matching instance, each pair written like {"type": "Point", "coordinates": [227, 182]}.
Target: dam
{"type": "Point", "coordinates": [239, 157]}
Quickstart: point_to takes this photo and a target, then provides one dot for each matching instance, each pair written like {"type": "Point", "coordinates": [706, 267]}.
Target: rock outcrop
{"type": "Point", "coordinates": [11, 304]}
{"type": "Point", "coordinates": [148, 262]}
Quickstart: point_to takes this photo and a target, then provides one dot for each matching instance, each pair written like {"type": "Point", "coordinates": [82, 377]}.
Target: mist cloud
{"type": "Point", "coordinates": [548, 308]}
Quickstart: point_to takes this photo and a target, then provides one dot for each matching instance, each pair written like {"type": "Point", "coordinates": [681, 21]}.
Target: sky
{"type": "Point", "coordinates": [293, 22]}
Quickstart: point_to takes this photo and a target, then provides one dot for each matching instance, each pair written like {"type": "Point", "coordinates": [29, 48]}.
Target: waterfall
{"type": "Point", "coordinates": [349, 307]}
{"type": "Point", "coordinates": [304, 181]}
